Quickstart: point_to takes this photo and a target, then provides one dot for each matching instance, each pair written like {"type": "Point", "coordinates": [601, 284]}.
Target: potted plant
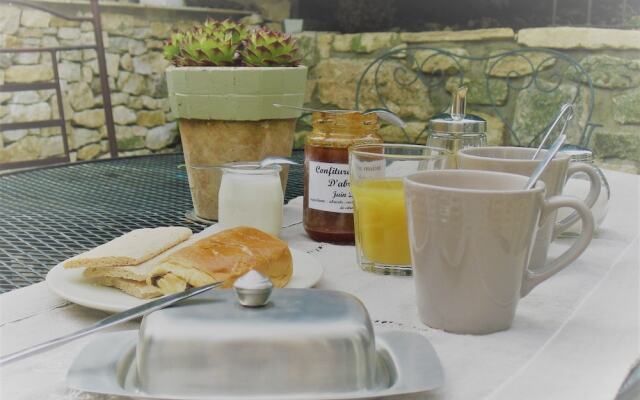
{"type": "Point", "coordinates": [222, 86]}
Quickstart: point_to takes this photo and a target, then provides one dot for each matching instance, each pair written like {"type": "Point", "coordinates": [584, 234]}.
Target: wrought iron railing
{"type": "Point", "coordinates": [415, 71]}
{"type": "Point", "coordinates": [60, 122]}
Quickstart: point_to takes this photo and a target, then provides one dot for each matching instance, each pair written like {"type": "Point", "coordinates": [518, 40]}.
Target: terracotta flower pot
{"type": "Point", "coordinates": [226, 115]}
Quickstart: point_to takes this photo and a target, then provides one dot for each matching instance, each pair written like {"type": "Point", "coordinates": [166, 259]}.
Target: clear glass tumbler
{"type": "Point", "coordinates": [376, 173]}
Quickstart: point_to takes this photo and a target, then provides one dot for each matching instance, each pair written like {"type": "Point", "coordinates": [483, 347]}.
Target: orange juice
{"type": "Point", "coordinates": [380, 221]}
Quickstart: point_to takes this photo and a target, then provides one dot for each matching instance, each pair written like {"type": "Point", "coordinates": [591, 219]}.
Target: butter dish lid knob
{"type": "Point", "coordinates": [253, 289]}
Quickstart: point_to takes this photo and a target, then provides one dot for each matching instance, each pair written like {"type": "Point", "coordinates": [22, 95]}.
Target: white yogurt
{"type": "Point", "coordinates": [250, 196]}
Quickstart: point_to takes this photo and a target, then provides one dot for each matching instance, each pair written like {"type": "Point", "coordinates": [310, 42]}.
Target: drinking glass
{"type": "Point", "coordinates": [380, 222]}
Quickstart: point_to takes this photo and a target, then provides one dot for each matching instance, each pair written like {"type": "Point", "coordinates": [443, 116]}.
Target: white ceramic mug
{"type": "Point", "coordinates": [518, 160]}
{"type": "Point", "coordinates": [471, 235]}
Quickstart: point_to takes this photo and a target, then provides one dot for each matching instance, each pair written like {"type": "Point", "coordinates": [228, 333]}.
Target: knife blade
{"type": "Point", "coordinates": [112, 320]}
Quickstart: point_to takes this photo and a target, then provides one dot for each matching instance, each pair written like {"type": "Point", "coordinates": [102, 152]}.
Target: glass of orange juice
{"type": "Point", "coordinates": [376, 173]}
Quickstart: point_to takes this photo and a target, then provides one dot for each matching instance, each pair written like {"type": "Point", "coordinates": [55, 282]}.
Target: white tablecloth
{"type": "Point", "coordinates": [574, 337]}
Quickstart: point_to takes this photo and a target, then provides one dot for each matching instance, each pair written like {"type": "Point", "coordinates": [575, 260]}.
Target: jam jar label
{"type": "Point", "coordinates": [329, 188]}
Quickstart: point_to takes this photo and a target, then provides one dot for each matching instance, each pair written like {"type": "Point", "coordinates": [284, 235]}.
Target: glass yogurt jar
{"type": "Point", "coordinates": [251, 196]}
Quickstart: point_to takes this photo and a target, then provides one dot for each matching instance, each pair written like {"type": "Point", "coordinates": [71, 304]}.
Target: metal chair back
{"type": "Point", "coordinates": [417, 82]}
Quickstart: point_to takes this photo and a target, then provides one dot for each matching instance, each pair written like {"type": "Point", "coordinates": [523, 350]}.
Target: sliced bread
{"type": "Point", "coordinates": [131, 249]}
{"type": "Point", "coordinates": [134, 288]}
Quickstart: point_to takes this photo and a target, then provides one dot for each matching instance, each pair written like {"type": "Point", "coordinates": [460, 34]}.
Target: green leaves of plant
{"type": "Point", "coordinates": [227, 43]}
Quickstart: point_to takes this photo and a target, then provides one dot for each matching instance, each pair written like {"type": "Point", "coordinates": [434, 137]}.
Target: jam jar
{"type": "Point", "coordinates": [328, 206]}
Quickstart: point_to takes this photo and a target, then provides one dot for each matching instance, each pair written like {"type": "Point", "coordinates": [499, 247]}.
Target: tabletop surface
{"type": "Point", "coordinates": [574, 337]}
{"type": "Point", "coordinates": [50, 214]}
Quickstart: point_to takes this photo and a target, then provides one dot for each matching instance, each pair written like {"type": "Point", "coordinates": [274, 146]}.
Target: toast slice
{"type": "Point", "coordinates": [138, 273]}
{"type": "Point", "coordinates": [131, 249]}
{"type": "Point", "coordinates": [134, 288]}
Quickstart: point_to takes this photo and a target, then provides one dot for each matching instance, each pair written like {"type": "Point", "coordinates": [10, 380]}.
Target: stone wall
{"type": "Point", "coordinates": [611, 57]}
{"type": "Point", "coordinates": [145, 124]}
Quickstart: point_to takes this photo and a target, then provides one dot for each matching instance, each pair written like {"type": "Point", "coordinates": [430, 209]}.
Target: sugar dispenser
{"type": "Point", "coordinates": [457, 130]}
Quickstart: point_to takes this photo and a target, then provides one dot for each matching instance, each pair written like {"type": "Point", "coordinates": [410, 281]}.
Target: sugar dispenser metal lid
{"type": "Point", "coordinates": [458, 121]}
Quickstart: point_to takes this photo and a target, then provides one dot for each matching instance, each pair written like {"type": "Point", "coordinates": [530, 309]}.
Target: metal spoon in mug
{"type": "Point", "coordinates": [565, 109]}
{"type": "Point", "coordinates": [542, 165]}
{"type": "Point", "coordinates": [383, 113]}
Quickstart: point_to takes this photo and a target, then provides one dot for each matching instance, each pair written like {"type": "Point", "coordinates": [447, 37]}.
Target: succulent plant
{"type": "Point", "coordinates": [214, 43]}
{"type": "Point", "coordinates": [227, 43]}
{"type": "Point", "coordinates": [237, 31]}
{"type": "Point", "coordinates": [172, 47]}
{"type": "Point", "coordinates": [264, 48]}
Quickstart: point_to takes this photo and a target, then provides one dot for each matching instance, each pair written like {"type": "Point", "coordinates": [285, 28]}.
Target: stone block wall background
{"type": "Point", "coordinates": [145, 124]}
{"type": "Point", "coordinates": [611, 57]}
{"type": "Point", "coordinates": [135, 65]}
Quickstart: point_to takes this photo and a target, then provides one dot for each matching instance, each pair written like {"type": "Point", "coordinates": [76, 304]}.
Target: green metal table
{"type": "Point", "coordinates": [50, 214]}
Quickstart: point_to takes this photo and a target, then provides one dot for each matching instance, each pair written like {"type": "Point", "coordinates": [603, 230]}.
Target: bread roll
{"type": "Point", "coordinates": [224, 257]}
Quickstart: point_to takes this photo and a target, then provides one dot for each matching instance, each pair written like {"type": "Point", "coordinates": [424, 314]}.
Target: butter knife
{"type": "Point", "coordinates": [115, 319]}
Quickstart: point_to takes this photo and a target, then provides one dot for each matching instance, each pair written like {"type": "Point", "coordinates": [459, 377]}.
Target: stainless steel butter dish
{"type": "Point", "coordinates": [294, 343]}
{"type": "Point", "coordinates": [304, 344]}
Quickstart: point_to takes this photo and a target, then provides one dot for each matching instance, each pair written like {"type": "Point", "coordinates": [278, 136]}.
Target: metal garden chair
{"type": "Point", "coordinates": [417, 82]}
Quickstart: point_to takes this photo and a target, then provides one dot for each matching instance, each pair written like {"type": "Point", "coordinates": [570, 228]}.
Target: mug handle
{"type": "Point", "coordinates": [533, 279]}
{"type": "Point", "coordinates": [595, 186]}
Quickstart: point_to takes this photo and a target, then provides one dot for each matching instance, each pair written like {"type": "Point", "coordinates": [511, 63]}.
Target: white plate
{"type": "Point", "coordinates": [71, 285]}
